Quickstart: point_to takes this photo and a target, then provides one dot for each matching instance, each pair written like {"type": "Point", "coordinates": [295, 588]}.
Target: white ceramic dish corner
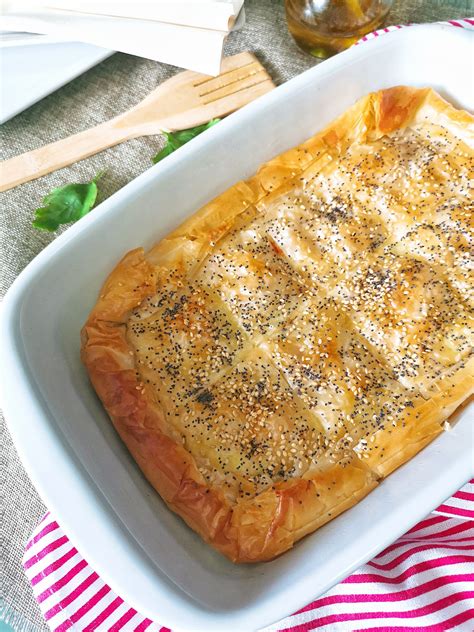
{"type": "Point", "coordinates": [72, 454]}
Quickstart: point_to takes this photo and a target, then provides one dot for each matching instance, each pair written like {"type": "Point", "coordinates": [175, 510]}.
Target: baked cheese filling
{"type": "Point", "coordinates": [303, 334]}
{"type": "Point", "coordinates": [323, 319]}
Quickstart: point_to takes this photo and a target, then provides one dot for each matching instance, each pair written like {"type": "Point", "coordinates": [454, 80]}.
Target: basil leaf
{"type": "Point", "coordinates": [66, 204]}
{"type": "Point", "coordinates": [175, 140]}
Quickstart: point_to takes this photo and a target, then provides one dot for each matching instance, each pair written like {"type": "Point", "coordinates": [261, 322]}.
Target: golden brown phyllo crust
{"type": "Point", "coordinates": [305, 333]}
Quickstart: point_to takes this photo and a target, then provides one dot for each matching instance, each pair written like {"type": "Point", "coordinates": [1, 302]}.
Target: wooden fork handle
{"type": "Point", "coordinates": [39, 162]}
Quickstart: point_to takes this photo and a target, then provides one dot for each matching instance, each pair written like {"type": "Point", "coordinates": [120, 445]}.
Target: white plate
{"type": "Point", "coordinates": [83, 471]}
{"type": "Point", "coordinates": [32, 71]}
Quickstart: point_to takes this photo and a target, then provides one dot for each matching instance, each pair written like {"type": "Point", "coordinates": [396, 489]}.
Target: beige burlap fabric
{"type": "Point", "coordinates": [113, 86]}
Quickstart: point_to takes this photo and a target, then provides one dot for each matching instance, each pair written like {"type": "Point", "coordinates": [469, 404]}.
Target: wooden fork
{"type": "Point", "coordinates": [186, 100]}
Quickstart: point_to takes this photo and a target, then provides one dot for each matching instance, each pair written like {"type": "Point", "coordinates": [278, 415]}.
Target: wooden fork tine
{"type": "Point", "coordinates": [241, 74]}
{"type": "Point", "coordinates": [227, 89]}
{"type": "Point", "coordinates": [233, 76]}
{"type": "Point", "coordinates": [231, 66]}
{"type": "Point", "coordinates": [231, 102]}
{"type": "Point", "coordinates": [237, 61]}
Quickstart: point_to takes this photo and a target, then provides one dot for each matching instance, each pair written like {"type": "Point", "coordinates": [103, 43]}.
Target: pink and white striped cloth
{"type": "Point", "coordinates": [424, 581]}
{"type": "Point", "coordinates": [465, 23]}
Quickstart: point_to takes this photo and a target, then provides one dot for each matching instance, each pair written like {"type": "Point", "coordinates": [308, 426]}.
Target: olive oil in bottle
{"type": "Point", "coordinates": [326, 27]}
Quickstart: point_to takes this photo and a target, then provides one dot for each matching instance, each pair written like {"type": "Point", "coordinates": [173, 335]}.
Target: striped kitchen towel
{"type": "Point", "coordinates": [424, 581]}
{"type": "Point", "coordinates": [466, 23]}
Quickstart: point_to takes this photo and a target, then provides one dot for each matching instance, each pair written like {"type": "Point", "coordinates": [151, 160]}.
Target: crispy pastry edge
{"type": "Point", "coordinates": [265, 526]}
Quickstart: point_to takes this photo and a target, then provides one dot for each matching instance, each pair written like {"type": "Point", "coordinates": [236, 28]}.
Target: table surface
{"type": "Point", "coordinates": [101, 93]}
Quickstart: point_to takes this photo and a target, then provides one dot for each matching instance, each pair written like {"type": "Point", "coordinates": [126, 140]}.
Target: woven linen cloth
{"type": "Point", "coordinates": [101, 93]}
{"type": "Point", "coordinates": [425, 581]}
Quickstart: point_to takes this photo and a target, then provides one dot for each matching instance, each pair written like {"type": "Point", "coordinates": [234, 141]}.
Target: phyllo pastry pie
{"type": "Point", "coordinates": [305, 333]}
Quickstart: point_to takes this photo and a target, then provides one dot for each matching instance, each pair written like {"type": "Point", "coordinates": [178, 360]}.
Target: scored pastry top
{"type": "Point", "coordinates": [305, 333]}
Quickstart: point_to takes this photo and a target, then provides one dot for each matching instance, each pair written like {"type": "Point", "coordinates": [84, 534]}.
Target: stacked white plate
{"type": "Point", "coordinates": [32, 66]}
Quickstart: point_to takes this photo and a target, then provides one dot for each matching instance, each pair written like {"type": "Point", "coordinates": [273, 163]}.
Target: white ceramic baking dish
{"type": "Point", "coordinates": [80, 467]}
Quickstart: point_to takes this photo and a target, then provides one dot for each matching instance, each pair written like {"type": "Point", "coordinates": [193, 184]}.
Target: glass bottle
{"type": "Point", "coordinates": [326, 27]}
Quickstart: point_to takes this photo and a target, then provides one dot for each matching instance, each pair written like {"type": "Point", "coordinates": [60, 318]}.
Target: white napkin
{"type": "Point", "coordinates": [187, 46]}
{"type": "Point", "coordinates": [208, 14]}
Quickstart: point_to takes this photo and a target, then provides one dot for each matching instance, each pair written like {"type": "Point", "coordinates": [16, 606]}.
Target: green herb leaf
{"type": "Point", "coordinates": [66, 204]}
{"type": "Point", "coordinates": [175, 140]}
